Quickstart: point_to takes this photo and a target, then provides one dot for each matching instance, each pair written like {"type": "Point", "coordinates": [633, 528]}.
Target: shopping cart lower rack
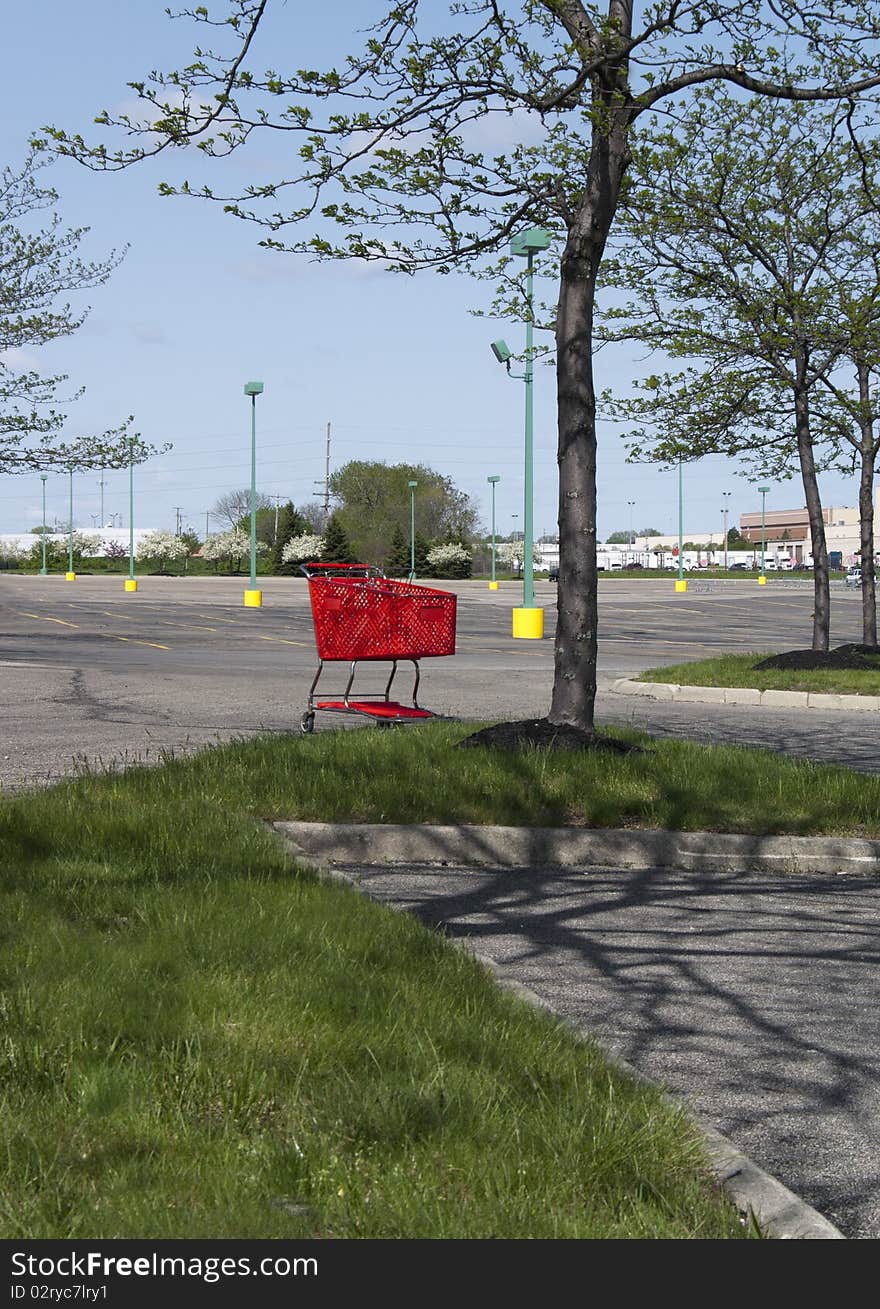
{"type": "Point", "coordinates": [362, 616]}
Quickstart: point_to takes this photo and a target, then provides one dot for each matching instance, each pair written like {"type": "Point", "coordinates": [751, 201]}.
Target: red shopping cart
{"type": "Point", "coordinates": [362, 616]}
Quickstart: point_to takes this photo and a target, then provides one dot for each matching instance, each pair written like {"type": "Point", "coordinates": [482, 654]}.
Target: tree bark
{"type": "Point", "coordinates": [575, 651]}
{"type": "Point", "coordinates": [821, 594]}
{"type": "Point", "coordinates": [868, 457]}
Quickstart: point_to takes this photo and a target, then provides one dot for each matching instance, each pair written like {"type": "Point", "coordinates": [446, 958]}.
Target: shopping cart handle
{"type": "Point", "coordinates": [316, 569]}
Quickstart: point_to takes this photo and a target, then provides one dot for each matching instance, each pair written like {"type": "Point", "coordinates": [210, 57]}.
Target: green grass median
{"type": "Point", "coordinates": [739, 670]}
{"type": "Point", "coordinates": [202, 1040]}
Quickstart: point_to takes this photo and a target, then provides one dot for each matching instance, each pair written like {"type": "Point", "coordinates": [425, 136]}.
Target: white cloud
{"type": "Point", "coordinates": [275, 267]}
{"type": "Point", "coordinates": [20, 361]}
{"type": "Point", "coordinates": [270, 267]}
{"type": "Point", "coordinates": [143, 114]}
{"type": "Point", "coordinates": [149, 333]}
{"type": "Point", "coordinates": [496, 133]}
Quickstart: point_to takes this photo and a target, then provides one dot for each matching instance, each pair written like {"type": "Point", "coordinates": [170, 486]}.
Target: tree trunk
{"type": "Point", "coordinates": [575, 652]}
{"type": "Point", "coordinates": [821, 594]}
{"type": "Point", "coordinates": [868, 455]}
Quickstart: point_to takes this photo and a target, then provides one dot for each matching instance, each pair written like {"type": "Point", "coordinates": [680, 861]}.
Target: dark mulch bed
{"type": "Point", "coordinates": [531, 733]}
{"type": "Point", "coordinates": [843, 656]}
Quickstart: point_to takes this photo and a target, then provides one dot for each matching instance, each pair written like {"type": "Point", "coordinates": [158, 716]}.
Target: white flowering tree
{"type": "Point", "coordinates": [230, 547]}
{"type": "Point", "coordinates": [509, 554]}
{"type": "Point", "coordinates": [449, 560]}
{"type": "Point", "coordinates": [86, 545]}
{"type": "Point", "coordinates": [12, 554]}
{"type": "Point", "coordinates": [301, 549]}
{"type": "Point", "coordinates": [161, 548]}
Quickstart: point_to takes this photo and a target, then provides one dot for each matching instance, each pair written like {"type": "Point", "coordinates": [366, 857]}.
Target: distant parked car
{"type": "Point", "coordinates": [553, 575]}
{"type": "Point", "coordinates": [738, 564]}
{"type": "Point", "coordinates": [853, 577]}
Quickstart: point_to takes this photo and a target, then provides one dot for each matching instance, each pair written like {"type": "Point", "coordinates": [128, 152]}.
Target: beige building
{"type": "Point", "coordinates": [791, 528]}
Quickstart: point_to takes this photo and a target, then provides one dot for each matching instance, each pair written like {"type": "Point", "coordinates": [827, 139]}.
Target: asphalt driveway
{"type": "Point", "coordinates": [753, 997]}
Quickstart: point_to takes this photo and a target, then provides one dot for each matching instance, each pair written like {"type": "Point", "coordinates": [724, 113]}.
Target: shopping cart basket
{"type": "Point", "coordinates": [361, 615]}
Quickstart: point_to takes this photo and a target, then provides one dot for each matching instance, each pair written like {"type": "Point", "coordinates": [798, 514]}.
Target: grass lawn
{"type": "Point", "coordinates": [201, 1040]}
{"type": "Point", "coordinates": [739, 670]}
{"type": "Point", "coordinates": [413, 775]}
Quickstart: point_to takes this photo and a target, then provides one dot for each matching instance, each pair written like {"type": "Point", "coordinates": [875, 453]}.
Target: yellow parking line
{"type": "Point", "coordinates": [282, 641]}
{"type": "Point", "coordinates": [189, 627]}
{"type": "Point", "coordinates": [43, 618]}
{"type": "Point", "coordinates": [134, 641]}
{"type": "Point", "coordinates": [233, 621]}
{"type": "Point", "coordinates": [168, 622]}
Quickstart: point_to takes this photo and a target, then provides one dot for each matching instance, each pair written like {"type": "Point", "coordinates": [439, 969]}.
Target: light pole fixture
{"type": "Point", "coordinates": [43, 477]}
{"type": "Point", "coordinates": [680, 582]}
{"type": "Point", "coordinates": [762, 580]}
{"type": "Point", "coordinates": [70, 575]}
{"type": "Point", "coordinates": [632, 539]}
{"type": "Point", "coordinates": [131, 580]}
{"type": "Point", "coordinates": [528, 622]}
{"type": "Point", "coordinates": [726, 495]}
{"type": "Point", "coordinates": [253, 598]}
{"type": "Point", "coordinates": [493, 480]}
{"type": "Point", "coordinates": [412, 529]}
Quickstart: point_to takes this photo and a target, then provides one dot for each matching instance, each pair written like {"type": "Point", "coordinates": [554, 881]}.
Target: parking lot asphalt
{"type": "Point", "coordinates": [749, 996]}
{"type": "Point", "coordinates": [91, 673]}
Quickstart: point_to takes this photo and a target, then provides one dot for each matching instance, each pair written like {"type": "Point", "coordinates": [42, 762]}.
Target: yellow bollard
{"type": "Point", "coordinates": [528, 624]}
{"type": "Point", "coordinates": [253, 599]}
{"type": "Point", "coordinates": [70, 577]}
{"type": "Point", "coordinates": [681, 584]}
{"type": "Point", "coordinates": [493, 586]}
{"type": "Point", "coordinates": [131, 584]}
{"type": "Point", "coordinates": [762, 580]}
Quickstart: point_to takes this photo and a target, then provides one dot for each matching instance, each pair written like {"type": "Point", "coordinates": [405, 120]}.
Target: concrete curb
{"type": "Point", "coordinates": [759, 1196]}
{"type": "Point", "coordinates": [742, 695]}
{"type": "Point", "coordinates": [578, 847]}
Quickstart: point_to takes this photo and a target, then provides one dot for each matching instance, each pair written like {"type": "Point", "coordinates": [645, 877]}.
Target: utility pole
{"type": "Point", "coordinates": [277, 499]}
{"type": "Point", "coordinates": [101, 485]}
{"type": "Point", "coordinates": [326, 481]}
{"type": "Point", "coordinates": [726, 495]}
{"type": "Point", "coordinates": [178, 509]}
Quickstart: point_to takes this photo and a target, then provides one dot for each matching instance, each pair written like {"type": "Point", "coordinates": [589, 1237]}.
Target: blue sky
{"type": "Point", "coordinates": [397, 365]}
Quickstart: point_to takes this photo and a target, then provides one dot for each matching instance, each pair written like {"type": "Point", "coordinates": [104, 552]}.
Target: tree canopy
{"type": "Point", "coordinates": [236, 505]}
{"type": "Point", "coordinates": [374, 501]}
{"type": "Point", "coordinates": [40, 265]}
{"type": "Point", "coordinates": [744, 229]}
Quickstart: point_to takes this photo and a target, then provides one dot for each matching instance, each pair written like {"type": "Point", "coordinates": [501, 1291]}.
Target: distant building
{"type": "Point", "coordinates": [790, 529]}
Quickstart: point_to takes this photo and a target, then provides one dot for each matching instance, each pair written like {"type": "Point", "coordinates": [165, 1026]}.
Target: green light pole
{"type": "Point", "coordinates": [412, 529]}
{"type": "Point", "coordinates": [131, 581]}
{"type": "Point", "coordinates": [528, 621]}
{"type": "Point", "coordinates": [762, 580]}
{"type": "Point", "coordinates": [493, 585]}
{"type": "Point", "coordinates": [43, 477]}
{"type": "Point", "coordinates": [71, 575]}
{"type": "Point", "coordinates": [726, 501]}
{"type": "Point", "coordinates": [253, 597]}
{"type": "Point", "coordinates": [681, 584]}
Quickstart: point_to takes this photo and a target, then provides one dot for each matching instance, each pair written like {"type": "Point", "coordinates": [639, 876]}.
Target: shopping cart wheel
{"type": "Point", "coordinates": [307, 723]}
